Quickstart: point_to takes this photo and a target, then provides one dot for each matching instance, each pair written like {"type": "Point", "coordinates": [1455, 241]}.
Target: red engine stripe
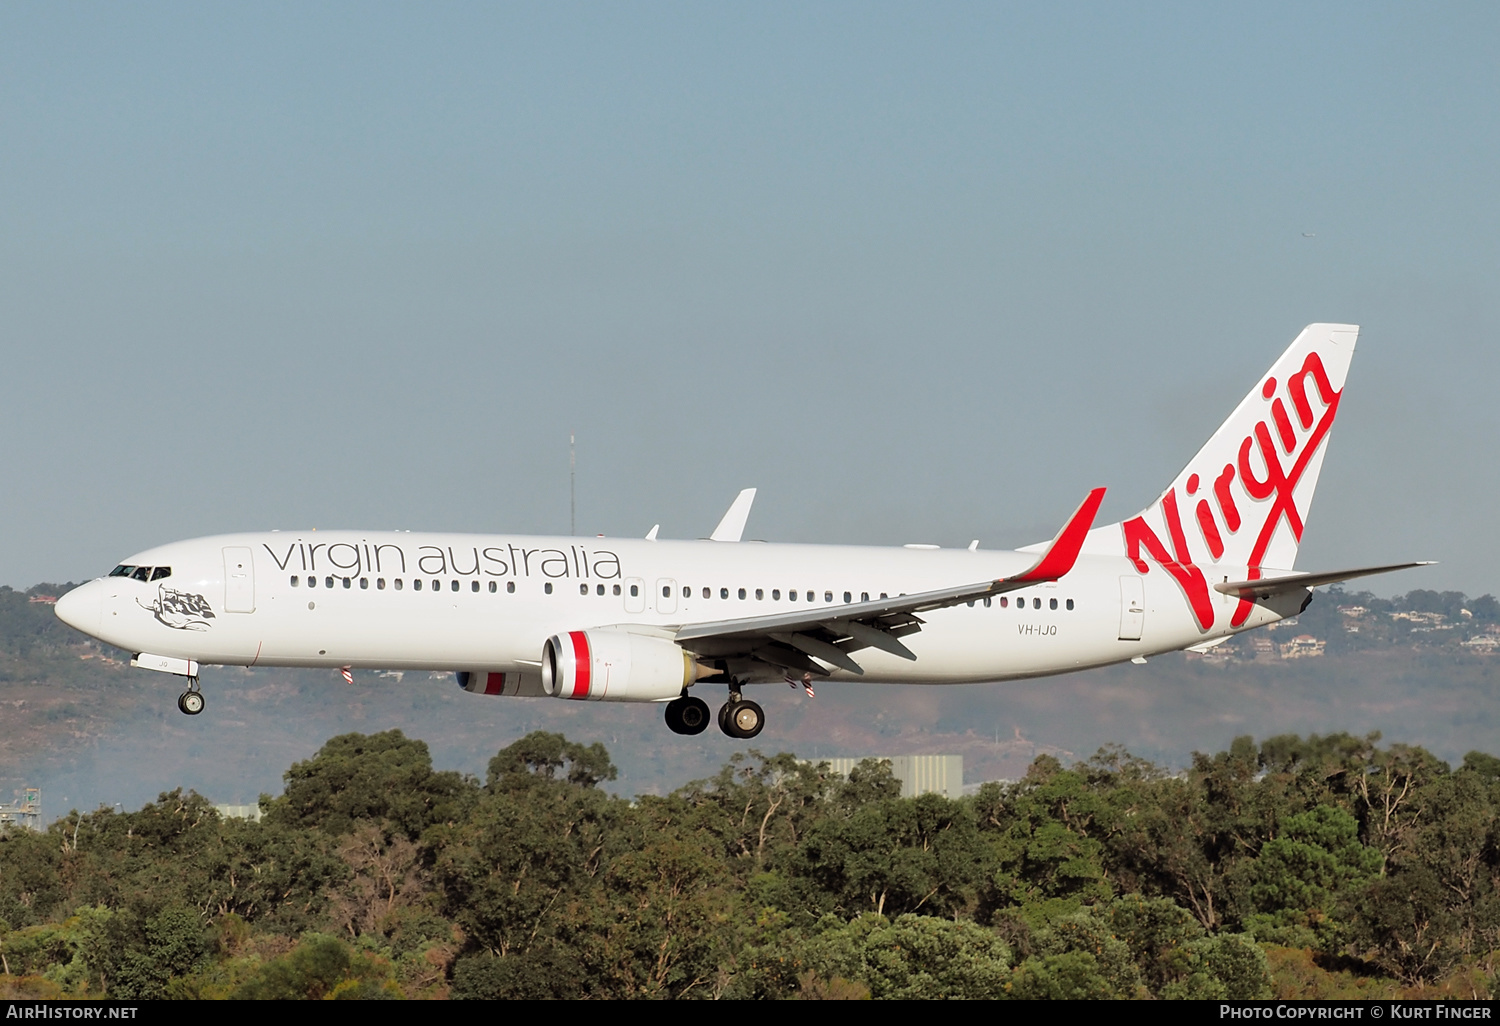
{"type": "Point", "coordinates": [494, 684]}
{"type": "Point", "coordinates": [582, 664]}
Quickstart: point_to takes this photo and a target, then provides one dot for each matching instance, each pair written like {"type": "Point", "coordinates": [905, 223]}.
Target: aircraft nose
{"type": "Point", "coordinates": [81, 607]}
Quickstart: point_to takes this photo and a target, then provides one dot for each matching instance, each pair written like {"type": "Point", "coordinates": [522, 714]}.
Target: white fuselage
{"type": "Point", "coordinates": [489, 603]}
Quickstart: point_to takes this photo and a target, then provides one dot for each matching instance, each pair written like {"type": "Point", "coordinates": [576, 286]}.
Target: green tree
{"type": "Point", "coordinates": [376, 777]}
{"type": "Point", "coordinates": [1297, 889]}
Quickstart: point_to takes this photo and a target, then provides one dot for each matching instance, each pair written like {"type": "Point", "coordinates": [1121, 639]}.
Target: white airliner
{"type": "Point", "coordinates": [642, 620]}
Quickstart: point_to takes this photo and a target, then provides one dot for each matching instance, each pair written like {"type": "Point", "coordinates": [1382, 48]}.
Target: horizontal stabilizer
{"type": "Point", "coordinates": [1265, 588]}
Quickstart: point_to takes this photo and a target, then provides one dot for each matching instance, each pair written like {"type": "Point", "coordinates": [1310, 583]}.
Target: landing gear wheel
{"type": "Point", "coordinates": [741, 719]}
{"type": "Point", "coordinates": [191, 702]}
{"type": "Point", "coordinates": [687, 716]}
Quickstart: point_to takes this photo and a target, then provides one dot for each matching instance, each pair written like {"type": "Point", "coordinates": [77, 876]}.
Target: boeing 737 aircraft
{"type": "Point", "coordinates": [643, 620]}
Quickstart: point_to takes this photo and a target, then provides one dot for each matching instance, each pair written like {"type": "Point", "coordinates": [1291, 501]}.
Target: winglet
{"type": "Point", "coordinates": [651, 534]}
{"type": "Point", "coordinates": [1063, 552]}
{"type": "Point", "coordinates": [733, 524]}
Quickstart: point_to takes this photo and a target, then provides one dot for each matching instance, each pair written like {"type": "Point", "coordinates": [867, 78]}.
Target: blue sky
{"type": "Point", "coordinates": [918, 272]}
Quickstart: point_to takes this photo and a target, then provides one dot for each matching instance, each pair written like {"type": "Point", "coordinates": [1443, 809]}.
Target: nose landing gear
{"type": "Point", "coordinates": [191, 701]}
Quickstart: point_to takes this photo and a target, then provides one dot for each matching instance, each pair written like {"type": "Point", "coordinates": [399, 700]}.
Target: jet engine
{"type": "Point", "coordinates": [617, 666]}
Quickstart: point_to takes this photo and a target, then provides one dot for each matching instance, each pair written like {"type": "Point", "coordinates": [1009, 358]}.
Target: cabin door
{"type": "Point", "coordinates": [1132, 608]}
{"type": "Point", "coordinates": [239, 580]}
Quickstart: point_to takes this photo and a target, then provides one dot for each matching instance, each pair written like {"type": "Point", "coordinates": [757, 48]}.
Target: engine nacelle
{"type": "Point", "coordinates": [616, 666]}
{"type": "Point", "coordinates": [490, 682]}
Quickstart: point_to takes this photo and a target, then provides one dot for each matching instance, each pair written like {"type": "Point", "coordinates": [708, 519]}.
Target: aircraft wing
{"type": "Point", "coordinates": [1280, 585]}
{"type": "Point", "coordinates": [830, 633]}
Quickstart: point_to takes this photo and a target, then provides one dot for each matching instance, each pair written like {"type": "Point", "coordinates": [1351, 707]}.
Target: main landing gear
{"type": "Point", "coordinates": [687, 715]}
{"type": "Point", "coordinates": [191, 701]}
{"type": "Point", "coordinates": [737, 717]}
{"type": "Point", "coordinates": [740, 717]}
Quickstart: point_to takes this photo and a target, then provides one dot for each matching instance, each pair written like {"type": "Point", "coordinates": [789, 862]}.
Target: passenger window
{"type": "Point", "coordinates": [742, 593]}
{"type": "Point", "coordinates": [828, 596]}
{"type": "Point", "coordinates": [707, 592]}
{"type": "Point", "coordinates": [294, 580]}
{"type": "Point", "coordinates": [599, 590]}
{"type": "Point", "coordinates": [547, 588]}
{"type": "Point", "coordinates": [453, 586]}
{"type": "Point", "coordinates": [438, 585]}
{"type": "Point", "coordinates": [1070, 603]}
{"type": "Point", "coordinates": [380, 584]}
{"type": "Point", "coordinates": [666, 591]}
{"type": "Point", "coordinates": [864, 596]}
{"type": "Point", "coordinates": [474, 586]}
{"type": "Point", "coordinates": [759, 595]}
{"type": "Point", "coordinates": [775, 594]}
{"type": "Point", "coordinates": [583, 589]}
{"type": "Point", "coordinates": [986, 603]}
{"type": "Point", "coordinates": [494, 587]}
{"type": "Point", "coordinates": [686, 593]}
{"type": "Point", "coordinates": [635, 590]}
{"type": "Point", "coordinates": [417, 584]}
{"type": "Point", "coordinates": [510, 587]}
{"type": "Point", "coordinates": [884, 595]}
{"type": "Point", "coordinates": [1052, 603]}
{"type": "Point", "coordinates": [723, 593]}
{"type": "Point", "coordinates": [970, 603]}
{"type": "Point", "coordinates": [791, 596]}
{"type": "Point", "coordinates": [1036, 603]}
{"type": "Point", "coordinates": [328, 582]}
{"type": "Point", "coordinates": [346, 584]}
{"type": "Point", "coordinates": [616, 589]}
{"type": "Point", "coordinates": [398, 584]}
{"type": "Point", "coordinates": [1004, 602]}
{"type": "Point", "coordinates": [364, 584]}
{"type": "Point", "coordinates": [848, 597]}
{"type": "Point", "coordinates": [160, 572]}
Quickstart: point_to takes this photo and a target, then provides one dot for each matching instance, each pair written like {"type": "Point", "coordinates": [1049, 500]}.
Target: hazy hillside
{"type": "Point", "coordinates": [91, 731]}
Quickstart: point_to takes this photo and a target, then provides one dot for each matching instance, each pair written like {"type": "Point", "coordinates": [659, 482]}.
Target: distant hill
{"type": "Point", "coordinates": [89, 730]}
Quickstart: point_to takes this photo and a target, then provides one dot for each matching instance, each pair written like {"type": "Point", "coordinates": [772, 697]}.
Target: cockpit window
{"type": "Point", "coordinates": [141, 573]}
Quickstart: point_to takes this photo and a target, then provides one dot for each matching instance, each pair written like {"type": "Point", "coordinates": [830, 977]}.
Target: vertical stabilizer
{"type": "Point", "coordinates": [1243, 500]}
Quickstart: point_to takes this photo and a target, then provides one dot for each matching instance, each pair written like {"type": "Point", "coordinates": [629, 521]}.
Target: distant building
{"type": "Point", "coordinates": [919, 774]}
{"type": "Point", "coordinates": [46, 600]}
{"type": "Point", "coordinates": [25, 811]}
{"type": "Point", "coordinates": [1303, 646]}
{"type": "Point", "coordinates": [250, 812]}
{"type": "Point", "coordinates": [1485, 644]}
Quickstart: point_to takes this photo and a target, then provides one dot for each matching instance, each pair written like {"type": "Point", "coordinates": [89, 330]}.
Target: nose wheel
{"type": "Point", "coordinates": [687, 715]}
{"type": "Point", "coordinates": [191, 701]}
